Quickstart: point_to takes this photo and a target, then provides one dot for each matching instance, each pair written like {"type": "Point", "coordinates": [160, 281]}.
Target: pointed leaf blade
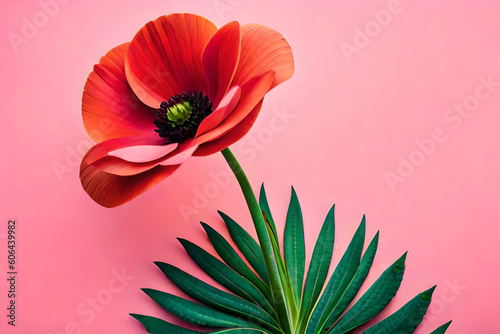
{"type": "Point", "coordinates": [247, 246]}
{"type": "Point", "coordinates": [226, 276]}
{"type": "Point", "coordinates": [216, 298]}
{"type": "Point", "coordinates": [319, 265]}
{"type": "Point", "coordinates": [442, 329]}
{"type": "Point", "coordinates": [339, 281]}
{"type": "Point", "coordinates": [194, 313]}
{"type": "Point", "coordinates": [407, 318]}
{"type": "Point", "coordinates": [356, 283]}
{"type": "Point", "coordinates": [281, 285]}
{"type": "Point", "coordinates": [239, 331]}
{"type": "Point", "coordinates": [294, 246]}
{"type": "Point", "coordinates": [374, 300]}
{"type": "Point", "coordinates": [158, 326]}
{"type": "Point", "coordinates": [232, 259]}
{"type": "Point", "coordinates": [264, 205]}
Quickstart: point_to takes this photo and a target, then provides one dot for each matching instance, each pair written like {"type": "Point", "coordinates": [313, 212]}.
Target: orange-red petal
{"type": "Point", "coordinates": [252, 93]}
{"type": "Point", "coordinates": [225, 108]}
{"type": "Point", "coordinates": [165, 57]}
{"type": "Point", "coordinates": [263, 49]}
{"type": "Point", "coordinates": [232, 136]}
{"type": "Point", "coordinates": [220, 60]}
{"type": "Point", "coordinates": [103, 155]}
{"type": "Point", "coordinates": [184, 152]}
{"type": "Point", "coordinates": [103, 149]}
{"type": "Point", "coordinates": [110, 109]}
{"type": "Point", "coordinates": [143, 153]}
{"type": "Point", "coordinates": [111, 190]}
{"type": "Point", "coordinates": [99, 157]}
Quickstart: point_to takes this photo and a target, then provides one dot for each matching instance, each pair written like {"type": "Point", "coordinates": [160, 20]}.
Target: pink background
{"type": "Point", "coordinates": [336, 131]}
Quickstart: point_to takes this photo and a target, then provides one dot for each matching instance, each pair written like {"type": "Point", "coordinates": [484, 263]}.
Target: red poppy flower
{"type": "Point", "coordinates": [180, 88]}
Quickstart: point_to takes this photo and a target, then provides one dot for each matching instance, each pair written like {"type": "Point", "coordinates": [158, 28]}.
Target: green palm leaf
{"type": "Point", "coordinates": [264, 205]}
{"type": "Point", "coordinates": [294, 246]}
{"type": "Point", "coordinates": [442, 329]}
{"type": "Point", "coordinates": [247, 246]}
{"type": "Point", "coordinates": [356, 283]}
{"type": "Point", "coordinates": [254, 255]}
{"type": "Point", "coordinates": [339, 281]}
{"type": "Point", "coordinates": [407, 318]}
{"type": "Point", "coordinates": [194, 313]}
{"type": "Point", "coordinates": [158, 326]}
{"type": "Point", "coordinates": [374, 300]}
{"type": "Point", "coordinates": [216, 298]}
{"type": "Point", "coordinates": [284, 305]}
{"type": "Point", "coordinates": [318, 268]}
{"type": "Point", "coordinates": [226, 276]}
{"type": "Point", "coordinates": [239, 331]}
{"type": "Point", "coordinates": [232, 259]}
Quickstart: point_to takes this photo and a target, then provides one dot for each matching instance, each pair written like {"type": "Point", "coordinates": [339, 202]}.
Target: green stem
{"type": "Point", "coordinates": [250, 198]}
{"type": "Point", "coordinates": [264, 238]}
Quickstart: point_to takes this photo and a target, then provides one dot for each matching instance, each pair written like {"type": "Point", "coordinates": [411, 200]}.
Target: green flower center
{"type": "Point", "coordinates": [179, 113]}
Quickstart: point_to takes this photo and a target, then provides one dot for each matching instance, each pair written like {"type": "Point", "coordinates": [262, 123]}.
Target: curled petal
{"type": "Point", "coordinates": [232, 136]}
{"type": "Point", "coordinates": [263, 49]}
{"type": "Point", "coordinates": [123, 156]}
{"type": "Point", "coordinates": [165, 57]}
{"type": "Point", "coordinates": [143, 153]}
{"type": "Point", "coordinates": [102, 150]}
{"type": "Point", "coordinates": [111, 190]}
{"type": "Point", "coordinates": [224, 109]}
{"type": "Point", "coordinates": [99, 155]}
{"type": "Point", "coordinates": [184, 152]}
{"type": "Point", "coordinates": [220, 60]}
{"type": "Point", "coordinates": [110, 109]}
{"type": "Point", "coordinates": [252, 93]}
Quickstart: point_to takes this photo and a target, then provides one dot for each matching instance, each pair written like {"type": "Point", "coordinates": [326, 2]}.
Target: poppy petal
{"type": "Point", "coordinates": [263, 49]}
{"type": "Point", "coordinates": [123, 156]}
{"type": "Point", "coordinates": [118, 166]}
{"type": "Point", "coordinates": [220, 60]}
{"type": "Point", "coordinates": [103, 149]}
{"type": "Point", "coordinates": [252, 93]}
{"type": "Point", "coordinates": [111, 190]}
{"type": "Point", "coordinates": [99, 156]}
{"type": "Point", "coordinates": [143, 153]}
{"type": "Point", "coordinates": [110, 109]}
{"type": "Point", "coordinates": [184, 152]}
{"type": "Point", "coordinates": [165, 57]}
{"type": "Point", "coordinates": [232, 136]}
{"type": "Point", "coordinates": [225, 108]}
